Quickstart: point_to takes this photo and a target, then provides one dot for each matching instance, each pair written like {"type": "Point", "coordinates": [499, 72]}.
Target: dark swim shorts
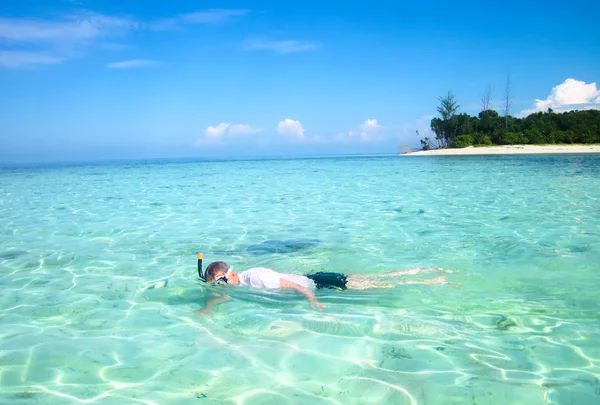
{"type": "Point", "coordinates": [328, 280]}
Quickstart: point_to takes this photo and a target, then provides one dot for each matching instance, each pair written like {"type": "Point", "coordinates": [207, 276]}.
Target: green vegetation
{"type": "Point", "coordinates": [489, 128]}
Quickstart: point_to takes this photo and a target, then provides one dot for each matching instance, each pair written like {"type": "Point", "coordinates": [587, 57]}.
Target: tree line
{"type": "Point", "coordinates": [489, 128]}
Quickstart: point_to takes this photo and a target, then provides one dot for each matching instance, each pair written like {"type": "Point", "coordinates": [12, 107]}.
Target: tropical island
{"type": "Point", "coordinates": [491, 133]}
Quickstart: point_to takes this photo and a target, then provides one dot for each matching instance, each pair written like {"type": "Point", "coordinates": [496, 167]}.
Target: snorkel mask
{"type": "Point", "coordinates": [224, 278]}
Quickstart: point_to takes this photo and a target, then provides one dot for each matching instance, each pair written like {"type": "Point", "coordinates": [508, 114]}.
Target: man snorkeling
{"type": "Point", "coordinates": [261, 277]}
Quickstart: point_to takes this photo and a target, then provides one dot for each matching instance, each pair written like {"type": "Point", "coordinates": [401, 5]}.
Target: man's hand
{"type": "Point", "coordinates": [317, 305]}
{"type": "Point", "coordinates": [288, 285]}
{"type": "Point", "coordinates": [210, 302]}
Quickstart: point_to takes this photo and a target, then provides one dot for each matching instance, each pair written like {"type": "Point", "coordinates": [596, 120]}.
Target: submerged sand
{"type": "Point", "coordinates": [510, 149]}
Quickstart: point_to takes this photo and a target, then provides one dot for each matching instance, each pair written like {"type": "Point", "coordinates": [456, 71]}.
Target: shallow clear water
{"type": "Point", "coordinates": [86, 314]}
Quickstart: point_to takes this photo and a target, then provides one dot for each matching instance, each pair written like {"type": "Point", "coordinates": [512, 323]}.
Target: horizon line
{"type": "Point", "coordinates": [86, 161]}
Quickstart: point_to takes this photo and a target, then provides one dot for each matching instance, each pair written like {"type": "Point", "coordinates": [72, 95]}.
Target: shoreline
{"type": "Point", "coordinates": [508, 150]}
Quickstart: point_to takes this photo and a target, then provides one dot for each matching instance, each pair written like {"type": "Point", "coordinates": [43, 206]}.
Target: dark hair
{"type": "Point", "coordinates": [214, 268]}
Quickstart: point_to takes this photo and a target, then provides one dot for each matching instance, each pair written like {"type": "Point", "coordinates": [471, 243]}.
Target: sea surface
{"type": "Point", "coordinates": [100, 290]}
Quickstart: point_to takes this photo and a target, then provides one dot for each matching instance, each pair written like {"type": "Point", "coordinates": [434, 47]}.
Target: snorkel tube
{"type": "Point", "coordinates": [200, 273]}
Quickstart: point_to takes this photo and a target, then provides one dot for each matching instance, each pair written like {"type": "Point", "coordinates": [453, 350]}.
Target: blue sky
{"type": "Point", "coordinates": [102, 79]}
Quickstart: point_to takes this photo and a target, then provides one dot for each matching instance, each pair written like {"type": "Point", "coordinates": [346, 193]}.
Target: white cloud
{"type": "Point", "coordinates": [133, 63]}
{"type": "Point", "coordinates": [291, 127]}
{"type": "Point", "coordinates": [570, 95]}
{"type": "Point", "coordinates": [65, 37]}
{"type": "Point", "coordinates": [207, 17]}
{"type": "Point", "coordinates": [214, 16]}
{"type": "Point", "coordinates": [76, 27]}
{"type": "Point", "coordinates": [216, 132]}
{"type": "Point", "coordinates": [14, 59]}
{"type": "Point", "coordinates": [369, 130]}
{"type": "Point", "coordinates": [243, 129]}
{"type": "Point", "coordinates": [279, 46]}
{"type": "Point", "coordinates": [60, 39]}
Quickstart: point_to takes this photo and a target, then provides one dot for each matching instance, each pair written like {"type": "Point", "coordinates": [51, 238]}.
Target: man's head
{"type": "Point", "coordinates": [221, 271]}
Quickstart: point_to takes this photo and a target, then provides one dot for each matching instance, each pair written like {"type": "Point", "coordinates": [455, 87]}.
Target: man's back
{"type": "Point", "coordinates": [262, 277]}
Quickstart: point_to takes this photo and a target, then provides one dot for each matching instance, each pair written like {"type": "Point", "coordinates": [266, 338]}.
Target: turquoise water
{"type": "Point", "coordinates": [100, 288]}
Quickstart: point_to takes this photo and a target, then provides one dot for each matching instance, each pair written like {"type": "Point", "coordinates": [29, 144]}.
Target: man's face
{"type": "Point", "coordinates": [230, 275]}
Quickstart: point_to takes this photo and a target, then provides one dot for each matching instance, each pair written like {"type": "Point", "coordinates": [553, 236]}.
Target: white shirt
{"type": "Point", "coordinates": [261, 277]}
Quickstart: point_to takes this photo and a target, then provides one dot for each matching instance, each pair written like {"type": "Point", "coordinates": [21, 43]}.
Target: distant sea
{"type": "Point", "coordinates": [100, 288]}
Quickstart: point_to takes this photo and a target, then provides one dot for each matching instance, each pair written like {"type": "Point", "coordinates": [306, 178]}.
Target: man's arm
{"type": "Point", "coordinates": [210, 302]}
{"type": "Point", "coordinates": [288, 285]}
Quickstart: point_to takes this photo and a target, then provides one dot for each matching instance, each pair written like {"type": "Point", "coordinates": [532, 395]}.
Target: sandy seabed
{"type": "Point", "coordinates": [509, 149]}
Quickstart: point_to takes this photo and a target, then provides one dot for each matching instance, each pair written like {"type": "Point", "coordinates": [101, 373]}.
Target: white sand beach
{"type": "Point", "coordinates": [509, 150]}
